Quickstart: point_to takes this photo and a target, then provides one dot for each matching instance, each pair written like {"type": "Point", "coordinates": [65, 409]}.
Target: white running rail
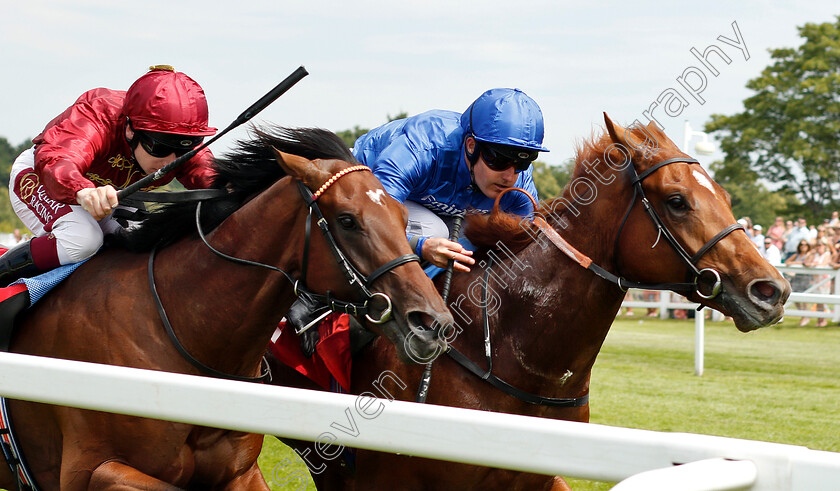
{"type": "Point", "coordinates": [529, 444]}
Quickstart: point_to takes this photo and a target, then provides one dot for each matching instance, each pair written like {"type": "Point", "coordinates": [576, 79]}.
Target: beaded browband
{"type": "Point", "coordinates": [317, 194]}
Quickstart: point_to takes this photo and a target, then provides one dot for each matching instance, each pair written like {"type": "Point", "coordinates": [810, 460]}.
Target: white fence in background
{"type": "Point", "coordinates": [819, 297]}
{"type": "Point", "coordinates": [821, 289]}
{"type": "Point", "coordinates": [641, 459]}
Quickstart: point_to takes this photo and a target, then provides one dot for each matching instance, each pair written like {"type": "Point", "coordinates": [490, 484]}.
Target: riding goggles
{"type": "Point", "coordinates": [160, 145]}
{"type": "Point", "coordinates": [502, 157]}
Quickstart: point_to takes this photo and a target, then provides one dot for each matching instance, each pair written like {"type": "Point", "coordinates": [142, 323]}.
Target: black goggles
{"type": "Point", "coordinates": [501, 158]}
{"type": "Point", "coordinates": [161, 145]}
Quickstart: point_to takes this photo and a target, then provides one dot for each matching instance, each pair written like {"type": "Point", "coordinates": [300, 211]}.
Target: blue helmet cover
{"type": "Point", "coordinates": [506, 117]}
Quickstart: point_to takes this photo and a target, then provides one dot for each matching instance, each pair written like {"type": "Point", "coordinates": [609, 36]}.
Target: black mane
{"type": "Point", "coordinates": [246, 171]}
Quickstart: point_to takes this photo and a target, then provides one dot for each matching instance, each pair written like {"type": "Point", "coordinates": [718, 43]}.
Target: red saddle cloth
{"type": "Point", "coordinates": [14, 299]}
{"type": "Point", "coordinates": [331, 359]}
{"type": "Point", "coordinates": [10, 291]}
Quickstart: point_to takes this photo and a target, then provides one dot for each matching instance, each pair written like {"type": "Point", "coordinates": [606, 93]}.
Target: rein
{"type": "Point", "coordinates": [426, 378]}
{"type": "Point", "coordinates": [487, 375]}
{"type": "Point", "coordinates": [354, 277]}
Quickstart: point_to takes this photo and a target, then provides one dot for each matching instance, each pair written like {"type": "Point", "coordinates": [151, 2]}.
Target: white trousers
{"type": "Point", "coordinates": [78, 236]}
{"type": "Point", "coordinates": [423, 221]}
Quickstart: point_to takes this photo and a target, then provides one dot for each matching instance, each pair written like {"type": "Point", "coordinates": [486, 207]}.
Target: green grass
{"type": "Point", "coordinates": [778, 384]}
{"type": "Point", "coordinates": [282, 468]}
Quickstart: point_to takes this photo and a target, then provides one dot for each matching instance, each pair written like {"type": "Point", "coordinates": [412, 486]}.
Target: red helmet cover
{"type": "Point", "coordinates": [167, 101]}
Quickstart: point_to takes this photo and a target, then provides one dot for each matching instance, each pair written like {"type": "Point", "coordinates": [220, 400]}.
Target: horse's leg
{"type": "Point", "coordinates": [7, 480]}
{"type": "Point", "coordinates": [250, 479]}
{"type": "Point", "coordinates": [117, 476]}
{"type": "Point", "coordinates": [559, 484]}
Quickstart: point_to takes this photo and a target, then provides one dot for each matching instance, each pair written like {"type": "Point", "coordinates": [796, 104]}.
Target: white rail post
{"type": "Point", "coordinates": [836, 291]}
{"type": "Point", "coordinates": [703, 475]}
{"type": "Point", "coordinates": [699, 341]}
{"type": "Point", "coordinates": [664, 300]}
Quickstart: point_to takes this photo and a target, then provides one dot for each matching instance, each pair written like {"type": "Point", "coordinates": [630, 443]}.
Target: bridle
{"type": "Point", "coordinates": [689, 260]}
{"type": "Point", "coordinates": [361, 282]}
{"type": "Point", "coordinates": [695, 274]}
{"type": "Point", "coordinates": [353, 276]}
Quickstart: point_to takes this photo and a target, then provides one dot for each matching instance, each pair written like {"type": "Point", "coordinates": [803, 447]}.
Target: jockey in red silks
{"type": "Point", "coordinates": [64, 188]}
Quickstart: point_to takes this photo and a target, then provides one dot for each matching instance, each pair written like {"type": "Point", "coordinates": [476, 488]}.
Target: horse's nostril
{"type": "Point", "coordinates": [766, 291]}
{"type": "Point", "coordinates": [421, 321]}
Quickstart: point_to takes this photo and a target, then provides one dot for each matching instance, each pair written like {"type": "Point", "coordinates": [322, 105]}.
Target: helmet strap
{"type": "Point", "coordinates": [134, 140]}
{"type": "Point", "coordinates": [472, 159]}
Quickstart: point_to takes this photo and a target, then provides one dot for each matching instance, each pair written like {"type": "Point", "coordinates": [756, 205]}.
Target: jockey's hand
{"type": "Point", "coordinates": [439, 251]}
{"type": "Point", "coordinates": [99, 202]}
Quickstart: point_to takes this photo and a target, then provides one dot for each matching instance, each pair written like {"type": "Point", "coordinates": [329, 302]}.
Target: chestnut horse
{"type": "Point", "coordinates": [548, 315]}
{"type": "Point", "coordinates": [222, 312]}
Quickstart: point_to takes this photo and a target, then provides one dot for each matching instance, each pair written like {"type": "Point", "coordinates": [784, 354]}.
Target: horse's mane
{"type": "Point", "coordinates": [485, 231]}
{"type": "Point", "coordinates": [248, 169]}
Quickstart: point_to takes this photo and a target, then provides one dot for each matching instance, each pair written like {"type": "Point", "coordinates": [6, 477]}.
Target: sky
{"type": "Point", "coordinates": [371, 59]}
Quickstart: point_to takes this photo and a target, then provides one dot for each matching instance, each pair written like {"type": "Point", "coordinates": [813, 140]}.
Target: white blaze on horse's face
{"type": "Point", "coordinates": [703, 180]}
{"type": "Point", "coordinates": [376, 196]}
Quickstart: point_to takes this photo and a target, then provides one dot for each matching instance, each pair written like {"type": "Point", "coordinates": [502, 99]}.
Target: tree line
{"type": "Point", "coordinates": [8, 153]}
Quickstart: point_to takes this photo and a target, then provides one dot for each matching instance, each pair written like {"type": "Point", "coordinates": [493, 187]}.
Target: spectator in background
{"type": "Point", "coordinates": [758, 238]}
{"type": "Point", "coordinates": [786, 234]}
{"type": "Point", "coordinates": [651, 296]}
{"type": "Point", "coordinates": [799, 233]}
{"type": "Point", "coordinates": [800, 282]}
{"type": "Point", "coordinates": [821, 257]}
{"type": "Point", "coordinates": [834, 221]}
{"type": "Point", "coordinates": [819, 237]}
{"type": "Point", "coordinates": [748, 226]}
{"type": "Point", "coordinates": [772, 252]}
{"type": "Point", "coordinates": [776, 231]}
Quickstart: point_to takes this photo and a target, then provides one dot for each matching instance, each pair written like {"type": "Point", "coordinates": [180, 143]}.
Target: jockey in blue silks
{"type": "Point", "coordinates": [441, 164]}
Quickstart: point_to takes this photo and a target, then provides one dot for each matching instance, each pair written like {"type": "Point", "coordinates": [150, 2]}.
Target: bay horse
{"type": "Point", "coordinates": [221, 312]}
{"type": "Point", "coordinates": [549, 311]}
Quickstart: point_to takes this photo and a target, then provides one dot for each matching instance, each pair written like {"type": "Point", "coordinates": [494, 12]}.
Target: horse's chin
{"type": "Point", "coordinates": [749, 315]}
{"type": "Point", "coordinates": [414, 344]}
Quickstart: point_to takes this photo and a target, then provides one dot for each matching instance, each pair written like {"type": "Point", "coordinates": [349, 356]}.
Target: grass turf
{"type": "Point", "coordinates": [779, 384]}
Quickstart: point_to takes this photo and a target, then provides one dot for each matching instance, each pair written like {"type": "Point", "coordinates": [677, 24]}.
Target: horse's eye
{"type": "Point", "coordinates": [347, 222]}
{"type": "Point", "coordinates": [677, 203]}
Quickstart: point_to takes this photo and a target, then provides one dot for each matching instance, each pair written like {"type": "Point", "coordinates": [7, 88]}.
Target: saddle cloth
{"type": "Point", "coordinates": [23, 294]}
{"type": "Point", "coordinates": [14, 299]}
{"type": "Point", "coordinates": [332, 360]}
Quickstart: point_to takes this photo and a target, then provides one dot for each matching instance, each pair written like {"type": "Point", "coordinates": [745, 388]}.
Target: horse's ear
{"type": "Point", "coordinates": [293, 165]}
{"type": "Point", "coordinates": [300, 168]}
{"type": "Point", "coordinates": [617, 133]}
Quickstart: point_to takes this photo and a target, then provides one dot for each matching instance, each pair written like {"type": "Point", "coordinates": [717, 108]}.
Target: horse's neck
{"type": "Point", "coordinates": [592, 228]}
{"type": "Point", "coordinates": [239, 305]}
{"type": "Point", "coordinates": [558, 313]}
